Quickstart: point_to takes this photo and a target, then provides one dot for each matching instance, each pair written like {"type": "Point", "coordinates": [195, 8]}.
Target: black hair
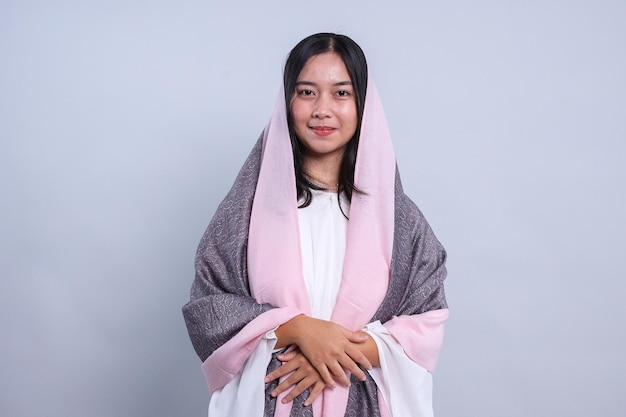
{"type": "Point", "coordinates": [354, 60]}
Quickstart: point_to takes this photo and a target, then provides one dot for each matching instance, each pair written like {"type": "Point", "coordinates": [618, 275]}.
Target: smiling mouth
{"type": "Point", "coordinates": [323, 130]}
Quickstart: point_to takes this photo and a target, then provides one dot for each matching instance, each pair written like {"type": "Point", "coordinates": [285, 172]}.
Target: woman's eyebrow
{"type": "Point", "coordinates": [314, 84]}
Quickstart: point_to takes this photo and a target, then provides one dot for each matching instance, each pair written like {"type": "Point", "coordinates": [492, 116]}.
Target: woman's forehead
{"type": "Point", "coordinates": [325, 68]}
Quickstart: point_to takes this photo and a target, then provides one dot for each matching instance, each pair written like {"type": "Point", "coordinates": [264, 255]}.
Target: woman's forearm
{"type": "Point", "coordinates": [289, 333]}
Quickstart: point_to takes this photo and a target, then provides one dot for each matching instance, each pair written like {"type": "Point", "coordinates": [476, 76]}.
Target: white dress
{"type": "Point", "coordinates": [406, 387]}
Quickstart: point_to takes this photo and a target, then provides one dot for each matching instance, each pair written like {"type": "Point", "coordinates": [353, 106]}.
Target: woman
{"type": "Point", "coordinates": [319, 284]}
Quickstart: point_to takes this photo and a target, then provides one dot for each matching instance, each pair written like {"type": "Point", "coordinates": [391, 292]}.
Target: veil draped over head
{"type": "Point", "coordinates": [274, 243]}
{"type": "Point", "coordinates": [249, 276]}
{"type": "Point", "coordinates": [274, 260]}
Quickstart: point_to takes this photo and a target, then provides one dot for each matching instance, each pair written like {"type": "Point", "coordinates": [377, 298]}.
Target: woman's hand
{"type": "Point", "coordinates": [329, 347]}
{"type": "Point", "coordinates": [304, 376]}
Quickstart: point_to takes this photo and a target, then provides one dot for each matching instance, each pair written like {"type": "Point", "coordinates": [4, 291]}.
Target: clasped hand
{"type": "Point", "coordinates": [325, 351]}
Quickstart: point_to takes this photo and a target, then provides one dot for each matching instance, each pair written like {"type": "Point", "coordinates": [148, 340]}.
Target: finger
{"type": "Point", "coordinates": [322, 369]}
{"type": "Point", "coordinates": [286, 357]}
{"type": "Point", "coordinates": [297, 390]}
{"type": "Point", "coordinates": [359, 357]}
{"type": "Point", "coordinates": [286, 384]}
{"type": "Point", "coordinates": [283, 370]}
{"type": "Point", "coordinates": [315, 391]}
{"type": "Point", "coordinates": [339, 373]}
{"type": "Point", "coordinates": [348, 363]}
{"type": "Point", "coordinates": [354, 370]}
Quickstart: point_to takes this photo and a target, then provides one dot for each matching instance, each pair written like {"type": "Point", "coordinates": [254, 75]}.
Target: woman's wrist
{"type": "Point", "coordinates": [287, 333]}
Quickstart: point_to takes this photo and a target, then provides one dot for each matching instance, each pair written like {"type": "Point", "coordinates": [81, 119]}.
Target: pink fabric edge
{"type": "Point", "coordinates": [369, 244]}
{"type": "Point", "coordinates": [420, 335]}
{"type": "Point", "coordinates": [226, 361]}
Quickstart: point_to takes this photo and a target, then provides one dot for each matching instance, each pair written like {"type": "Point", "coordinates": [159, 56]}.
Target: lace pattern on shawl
{"type": "Point", "coordinates": [221, 304]}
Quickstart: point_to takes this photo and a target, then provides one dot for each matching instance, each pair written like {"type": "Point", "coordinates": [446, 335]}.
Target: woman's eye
{"type": "Point", "coordinates": [305, 92]}
{"type": "Point", "coordinates": [343, 93]}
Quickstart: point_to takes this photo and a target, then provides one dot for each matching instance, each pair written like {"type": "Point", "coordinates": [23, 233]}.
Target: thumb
{"type": "Point", "coordinates": [286, 357]}
{"type": "Point", "coordinates": [356, 337]}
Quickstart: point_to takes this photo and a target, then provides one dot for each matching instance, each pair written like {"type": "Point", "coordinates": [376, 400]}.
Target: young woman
{"type": "Point", "coordinates": [319, 284]}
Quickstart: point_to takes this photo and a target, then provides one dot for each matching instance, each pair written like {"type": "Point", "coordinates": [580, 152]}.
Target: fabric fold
{"type": "Point", "coordinates": [228, 359]}
{"type": "Point", "coordinates": [405, 386]}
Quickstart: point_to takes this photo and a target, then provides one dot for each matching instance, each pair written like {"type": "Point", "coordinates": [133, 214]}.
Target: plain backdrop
{"type": "Point", "coordinates": [124, 123]}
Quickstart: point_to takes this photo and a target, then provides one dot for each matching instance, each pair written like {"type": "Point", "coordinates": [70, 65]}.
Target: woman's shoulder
{"type": "Point", "coordinates": [410, 221]}
{"type": "Point", "coordinates": [405, 207]}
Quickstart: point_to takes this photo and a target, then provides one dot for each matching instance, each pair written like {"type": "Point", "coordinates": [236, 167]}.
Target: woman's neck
{"type": "Point", "coordinates": [324, 173]}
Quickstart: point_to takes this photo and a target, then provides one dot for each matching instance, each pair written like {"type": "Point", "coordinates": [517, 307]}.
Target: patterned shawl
{"type": "Point", "coordinates": [249, 276]}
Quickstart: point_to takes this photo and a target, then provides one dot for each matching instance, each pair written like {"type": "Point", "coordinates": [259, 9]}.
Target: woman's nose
{"type": "Point", "coordinates": [323, 107]}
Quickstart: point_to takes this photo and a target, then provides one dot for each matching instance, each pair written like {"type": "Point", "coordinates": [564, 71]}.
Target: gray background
{"type": "Point", "coordinates": [123, 123]}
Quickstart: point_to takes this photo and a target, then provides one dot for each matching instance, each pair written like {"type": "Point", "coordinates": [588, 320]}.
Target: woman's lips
{"type": "Point", "coordinates": [323, 130]}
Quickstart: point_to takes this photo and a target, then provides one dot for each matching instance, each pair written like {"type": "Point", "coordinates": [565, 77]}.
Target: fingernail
{"type": "Point", "coordinates": [273, 394]}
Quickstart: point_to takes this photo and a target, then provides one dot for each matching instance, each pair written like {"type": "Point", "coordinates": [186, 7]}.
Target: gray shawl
{"type": "Point", "coordinates": [221, 303]}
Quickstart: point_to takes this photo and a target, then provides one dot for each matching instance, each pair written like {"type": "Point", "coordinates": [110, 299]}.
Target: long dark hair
{"type": "Point", "coordinates": [354, 59]}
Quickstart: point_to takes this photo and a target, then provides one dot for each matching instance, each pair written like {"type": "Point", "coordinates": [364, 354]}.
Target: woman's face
{"type": "Point", "coordinates": [323, 107]}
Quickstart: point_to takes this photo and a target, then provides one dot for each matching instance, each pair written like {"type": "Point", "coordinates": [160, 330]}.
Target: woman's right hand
{"type": "Point", "coordinates": [303, 376]}
{"type": "Point", "coordinates": [329, 347]}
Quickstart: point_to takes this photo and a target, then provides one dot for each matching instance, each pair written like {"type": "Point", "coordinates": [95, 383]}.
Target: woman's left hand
{"type": "Point", "coordinates": [304, 376]}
